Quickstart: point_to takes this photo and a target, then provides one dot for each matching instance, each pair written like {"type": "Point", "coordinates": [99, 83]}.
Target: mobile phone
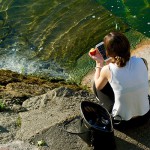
{"type": "Point", "coordinates": [102, 50]}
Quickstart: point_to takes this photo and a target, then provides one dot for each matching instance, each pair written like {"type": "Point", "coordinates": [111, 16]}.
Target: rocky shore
{"type": "Point", "coordinates": [32, 112]}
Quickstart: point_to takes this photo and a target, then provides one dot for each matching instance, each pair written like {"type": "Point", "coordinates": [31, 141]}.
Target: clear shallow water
{"type": "Point", "coordinates": [51, 38]}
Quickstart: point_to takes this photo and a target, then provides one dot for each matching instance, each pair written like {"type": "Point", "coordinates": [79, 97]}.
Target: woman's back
{"type": "Point", "coordinates": [130, 86]}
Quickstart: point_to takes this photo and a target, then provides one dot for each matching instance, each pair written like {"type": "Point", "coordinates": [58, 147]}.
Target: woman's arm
{"type": "Point", "coordinates": [101, 76]}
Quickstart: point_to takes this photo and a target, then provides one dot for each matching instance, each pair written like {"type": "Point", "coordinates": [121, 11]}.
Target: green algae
{"type": "Point", "coordinates": [135, 38]}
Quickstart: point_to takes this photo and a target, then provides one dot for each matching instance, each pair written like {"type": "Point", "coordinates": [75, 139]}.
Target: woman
{"type": "Point", "coordinates": [121, 86]}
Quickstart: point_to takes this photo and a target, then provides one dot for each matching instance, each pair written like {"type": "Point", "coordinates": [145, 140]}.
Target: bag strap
{"type": "Point", "coordinates": [145, 61]}
{"type": "Point", "coordinates": [68, 122]}
{"type": "Point", "coordinates": [88, 134]}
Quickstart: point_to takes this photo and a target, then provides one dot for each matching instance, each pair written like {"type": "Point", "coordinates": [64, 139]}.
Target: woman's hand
{"type": "Point", "coordinates": [97, 57]}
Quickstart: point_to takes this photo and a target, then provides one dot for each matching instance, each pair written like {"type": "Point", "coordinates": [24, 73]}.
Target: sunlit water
{"type": "Point", "coordinates": [48, 37]}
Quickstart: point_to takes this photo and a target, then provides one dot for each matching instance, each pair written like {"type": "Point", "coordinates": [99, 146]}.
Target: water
{"type": "Point", "coordinates": [52, 38]}
{"type": "Point", "coordinates": [135, 13]}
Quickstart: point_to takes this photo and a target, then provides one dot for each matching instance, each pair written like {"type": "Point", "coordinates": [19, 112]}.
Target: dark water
{"type": "Point", "coordinates": [52, 37]}
{"type": "Point", "coordinates": [136, 13]}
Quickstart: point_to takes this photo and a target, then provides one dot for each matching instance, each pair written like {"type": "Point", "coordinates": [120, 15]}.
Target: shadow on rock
{"type": "Point", "coordinates": [136, 138]}
{"type": "Point", "coordinates": [55, 137]}
{"type": "Point", "coordinates": [3, 130]}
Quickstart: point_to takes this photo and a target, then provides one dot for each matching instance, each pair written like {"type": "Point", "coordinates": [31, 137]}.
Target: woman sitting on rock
{"type": "Point", "coordinates": [121, 86]}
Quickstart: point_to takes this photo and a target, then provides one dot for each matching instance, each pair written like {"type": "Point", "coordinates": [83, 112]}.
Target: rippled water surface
{"type": "Point", "coordinates": [134, 12]}
{"type": "Point", "coordinates": [52, 37]}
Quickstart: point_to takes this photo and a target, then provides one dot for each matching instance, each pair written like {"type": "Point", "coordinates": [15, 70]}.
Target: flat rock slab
{"type": "Point", "coordinates": [18, 145]}
{"type": "Point", "coordinates": [8, 126]}
{"type": "Point", "coordinates": [46, 111]}
{"type": "Point", "coordinates": [58, 139]}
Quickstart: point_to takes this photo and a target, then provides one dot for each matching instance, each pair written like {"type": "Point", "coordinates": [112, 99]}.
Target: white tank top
{"type": "Point", "coordinates": [130, 86]}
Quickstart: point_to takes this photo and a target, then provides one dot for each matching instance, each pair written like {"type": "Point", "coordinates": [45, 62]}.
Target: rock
{"type": "Point", "coordinates": [17, 108]}
{"type": "Point", "coordinates": [38, 102]}
{"type": "Point", "coordinates": [64, 92]}
{"type": "Point", "coordinates": [18, 145]}
{"type": "Point", "coordinates": [48, 110]}
{"type": "Point", "coordinates": [8, 126]}
{"type": "Point", "coordinates": [61, 94]}
{"type": "Point", "coordinates": [57, 139]}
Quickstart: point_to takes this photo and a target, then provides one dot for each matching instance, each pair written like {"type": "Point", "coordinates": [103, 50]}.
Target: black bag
{"type": "Point", "coordinates": [95, 126]}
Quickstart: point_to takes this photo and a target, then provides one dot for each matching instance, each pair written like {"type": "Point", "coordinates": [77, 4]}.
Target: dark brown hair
{"type": "Point", "coordinates": [118, 47]}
